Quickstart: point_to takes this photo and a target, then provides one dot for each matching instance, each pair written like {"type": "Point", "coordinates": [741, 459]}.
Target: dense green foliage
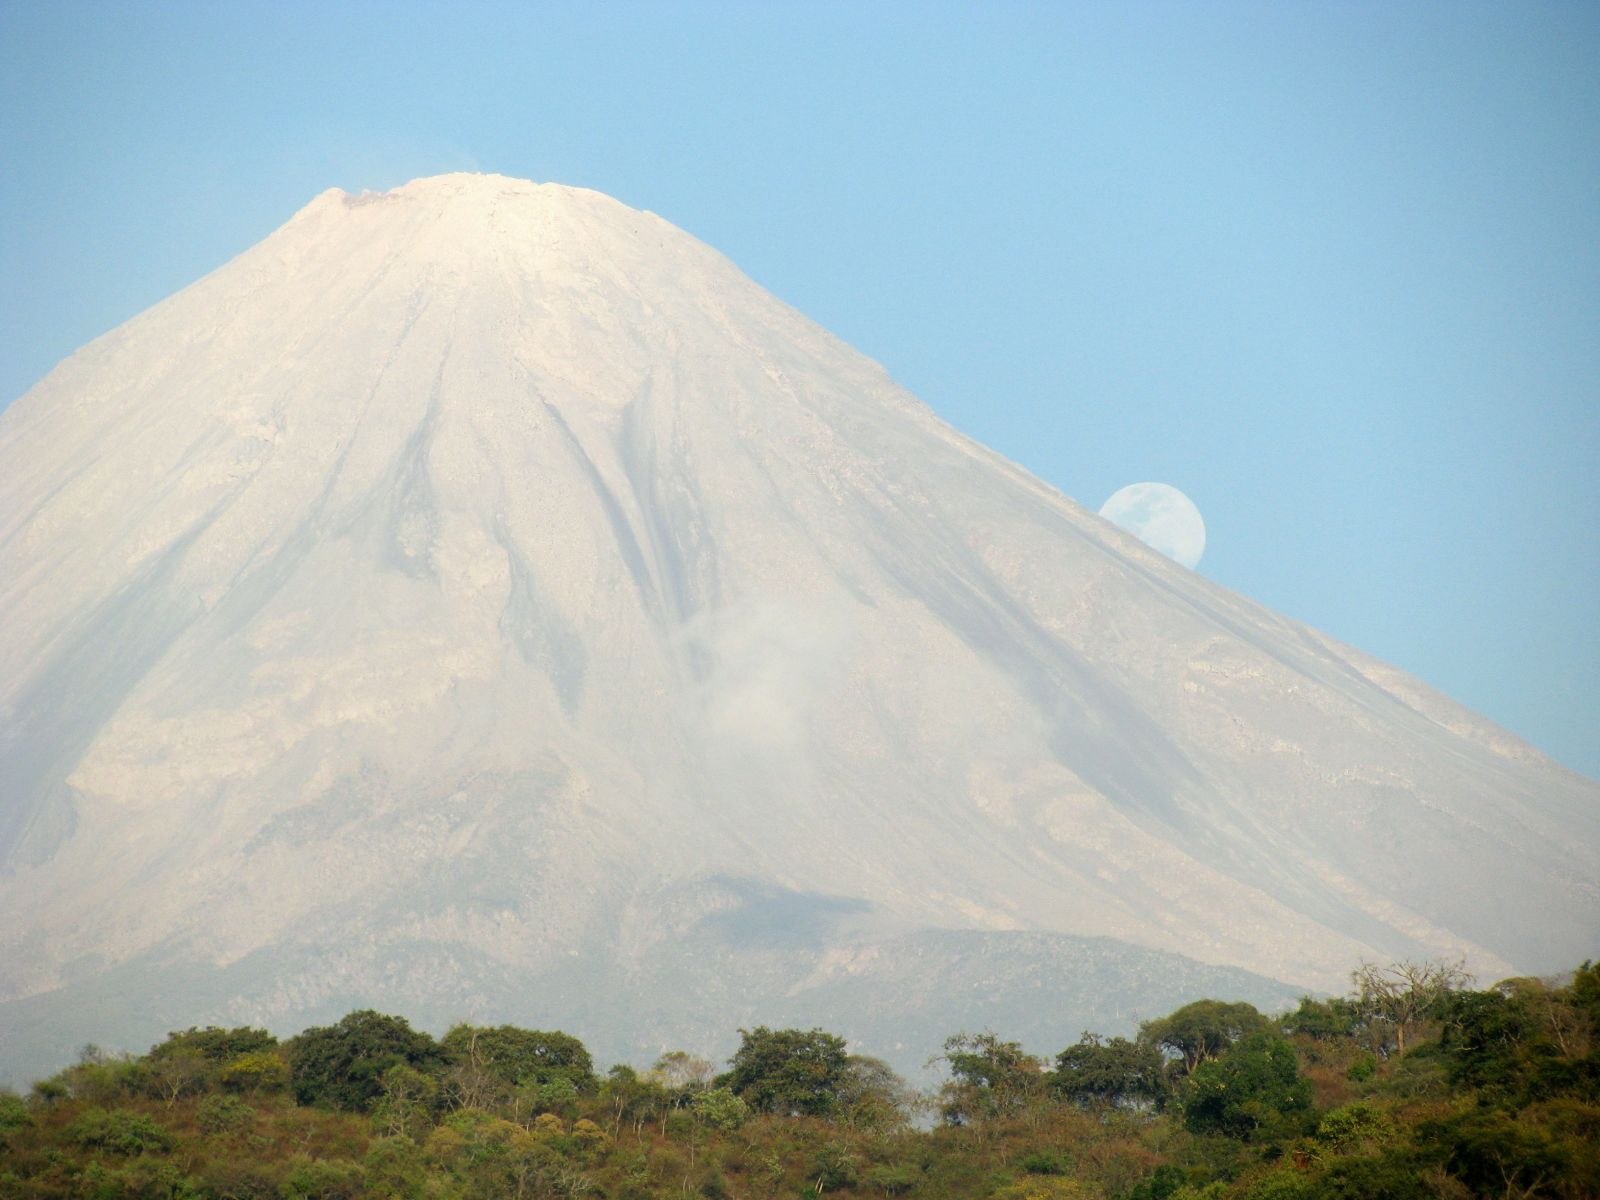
{"type": "Point", "coordinates": [343, 1065]}
{"type": "Point", "coordinates": [1496, 1093]}
{"type": "Point", "coordinates": [1248, 1091]}
{"type": "Point", "coordinates": [1117, 1072]}
{"type": "Point", "coordinates": [787, 1071]}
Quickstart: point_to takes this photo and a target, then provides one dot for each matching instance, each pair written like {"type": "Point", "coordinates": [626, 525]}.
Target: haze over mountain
{"type": "Point", "coordinates": [482, 600]}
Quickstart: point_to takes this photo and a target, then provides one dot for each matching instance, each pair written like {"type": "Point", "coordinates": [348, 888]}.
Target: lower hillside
{"type": "Point", "coordinates": [1415, 1085]}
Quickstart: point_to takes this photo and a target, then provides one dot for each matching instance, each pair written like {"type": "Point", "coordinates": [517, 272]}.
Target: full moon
{"type": "Point", "coordinates": [1161, 517]}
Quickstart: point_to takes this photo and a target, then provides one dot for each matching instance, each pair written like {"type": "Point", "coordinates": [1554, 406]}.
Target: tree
{"type": "Point", "coordinates": [872, 1095]}
{"type": "Point", "coordinates": [788, 1071]}
{"type": "Point", "coordinates": [14, 1115]}
{"type": "Point", "coordinates": [180, 1073]}
{"type": "Point", "coordinates": [1322, 1020]}
{"type": "Point", "coordinates": [257, 1071]}
{"type": "Point", "coordinates": [1255, 1084]}
{"type": "Point", "coordinates": [991, 1078]}
{"type": "Point", "coordinates": [1203, 1030]}
{"type": "Point", "coordinates": [720, 1108]}
{"type": "Point", "coordinates": [1045, 1187]}
{"type": "Point", "coordinates": [1483, 1038]}
{"type": "Point", "coordinates": [681, 1076]}
{"type": "Point", "coordinates": [342, 1066]}
{"type": "Point", "coordinates": [214, 1044]}
{"type": "Point", "coordinates": [680, 1071]}
{"type": "Point", "coordinates": [631, 1097]}
{"type": "Point", "coordinates": [1116, 1073]}
{"type": "Point", "coordinates": [522, 1057]}
{"type": "Point", "coordinates": [407, 1103]}
{"type": "Point", "coordinates": [1405, 993]}
{"type": "Point", "coordinates": [120, 1131]}
{"type": "Point", "coordinates": [191, 1060]}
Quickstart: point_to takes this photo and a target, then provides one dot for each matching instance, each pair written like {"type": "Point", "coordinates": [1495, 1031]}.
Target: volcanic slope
{"type": "Point", "coordinates": [482, 600]}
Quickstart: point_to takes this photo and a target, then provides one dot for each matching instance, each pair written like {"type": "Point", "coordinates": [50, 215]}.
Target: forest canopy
{"type": "Point", "coordinates": [1414, 1085]}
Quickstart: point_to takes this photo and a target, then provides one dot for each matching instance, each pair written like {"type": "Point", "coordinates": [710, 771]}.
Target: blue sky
{"type": "Point", "coordinates": [1332, 269]}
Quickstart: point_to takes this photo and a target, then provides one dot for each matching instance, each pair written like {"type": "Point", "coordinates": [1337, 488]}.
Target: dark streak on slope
{"type": "Point", "coordinates": [621, 529]}
{"type": "Point", "coordinates": [80, 687]}
{"type": "Point", "coordinates": [673, 514]}
{"type": "Point", "coordinates": [541, 634]}
{"type": "Point", "coordinates": [1052, 676]}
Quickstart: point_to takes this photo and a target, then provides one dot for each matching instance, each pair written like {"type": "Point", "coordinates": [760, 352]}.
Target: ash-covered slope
{"type": "Point", "coordinates": [480, 598]}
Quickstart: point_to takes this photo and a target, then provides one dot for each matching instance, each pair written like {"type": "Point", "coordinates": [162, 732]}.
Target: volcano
{"type": "Point", "coordinates": [481, 601]}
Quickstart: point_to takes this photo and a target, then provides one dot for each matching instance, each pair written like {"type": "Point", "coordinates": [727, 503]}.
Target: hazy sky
{"type": "Point", "coordinates": [1332, 269]}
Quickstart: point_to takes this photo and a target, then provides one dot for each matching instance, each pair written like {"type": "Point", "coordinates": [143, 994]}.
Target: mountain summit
{"type": "Point", "coordinates": [481, 600]}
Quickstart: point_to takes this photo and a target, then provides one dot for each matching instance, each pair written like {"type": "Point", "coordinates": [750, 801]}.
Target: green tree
{"type": "Point", "coordinates": [193, 1060]}
{"type": "Point", "coordinates": [324, 1179]}
{"type": "Point", "coordinates": [989, 1078]}
{"type": "Point", "coordinates": [120, 1132]}
{"type": "Point", "coordinates": [224, 1114]}
{"type": "Point", "coordinates": [632, 1099]}
{"type": "Point", "coordinates": [407, 1104]}
{"type": "Point", "coordinates": [721, 1108]}
{"type": "Point", "coordinates": [1045, 1187]}
{"type": "Point", "coordinates": [1483, 1038]}
{"type": "Point", "coordinates": [1115, 1073]}
{"type": "Point", "coordinates": [788, 1071]}
{"type": "Point", "coordinates": [1248, 1091]}
{"type": "Point", "coordinates": [1496, 1154]}
{"type": "Point", "coordinates": [523, 1056]}
{"type": "Point", "coordinates": [14, 1114]}
{"type": "Point", "coordinates": [1358, 1127]}
{"type": "Point", "coordinates": [1201, 1031]}
{"type": "Point", "coordinates": [835, 1166]}
{"type": "Point", "coordinates": [343, 1065]}
{"type": "Point", "coordinates": [1322, 1020]}
{"type": "Point", "coordinates": [213, 1044]}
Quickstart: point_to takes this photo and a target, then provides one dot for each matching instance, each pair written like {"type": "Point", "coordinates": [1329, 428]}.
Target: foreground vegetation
{"type": "Point", "coordinates": [1412, 1086]}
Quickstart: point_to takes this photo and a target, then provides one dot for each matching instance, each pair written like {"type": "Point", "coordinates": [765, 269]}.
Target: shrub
{"type": "Point", "coordinates": [1354, 1127]}
{"type": "Point", "coordinates": [99, 1078]}
{"type": "Point", "coordinates": [1045, 1187]}
{"type": "Point", "coordinates": [14, 1113]}
{"type": "Point", "coordinates": [241, 1179]}
{"type": "Point", "coordinates": [835, 1167]}
{"type": "Point", "coordinates": [224, 1114]}
{"type": "Point", "coordinates": [720, 1108]}
{"type": "Point", "coordinates": [556, 1095]}
{"type": "Point", "coordinates": [324, 1179]}
{"type": "Point", "coordinates": [1363, 1069]}
{"type": "Point", "coordinates": [892, 1179]}
{"type": "Point", "coordinates": [255, 1071]}
{"type": "Point", "coordinates": [141, 1179]}
{"type": "Point", "coordinates": [714, 1184]}
{"type": "Point", "coordinates": [120, 1132]}
{"type": "Point", "coordinates": [1284, 1185]}
{"type": "Point", "coordinates": [1046, 1162]}
{"type": "Point", "coordinates": [1163, 1182]}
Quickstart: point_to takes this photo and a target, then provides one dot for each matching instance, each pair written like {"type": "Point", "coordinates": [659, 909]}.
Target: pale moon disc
{"type": "Point", "coordinates": [1161, 517]}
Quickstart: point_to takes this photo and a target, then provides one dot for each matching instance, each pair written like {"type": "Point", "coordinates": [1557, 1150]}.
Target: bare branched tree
{"type": "Point", "coordinates": [1404, 994]}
